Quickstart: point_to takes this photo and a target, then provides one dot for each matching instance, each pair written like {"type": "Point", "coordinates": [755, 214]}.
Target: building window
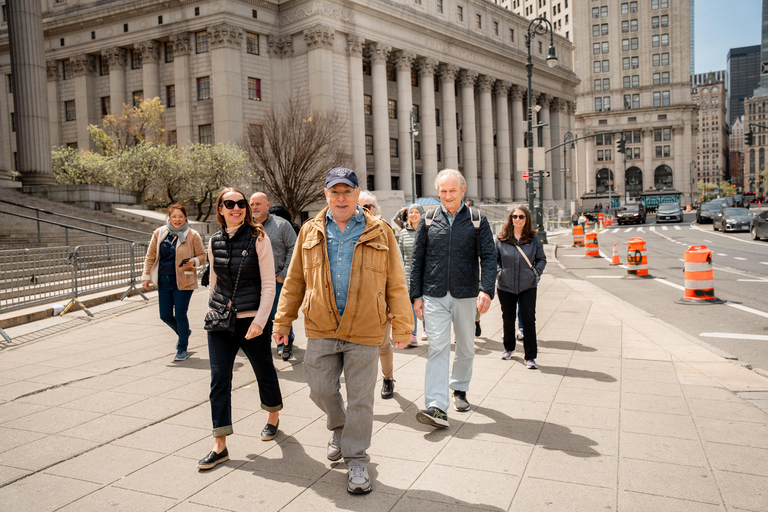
{"type": "Point", "coordinates": [603, 29]}
{"type": "Point", "coordinates": [625, 63]}
{"type": "Point", "coordinates": [665, 59]}
{"type": "Point", "coordinates": [595, 30]}
{"type": "Point", "coordinates": [664, 39]}
{"type": "Point", "coordinates": [633, 25]}
{"type": "Point", "coordinates": [68, 70]}
{"type": "Point", "coordinates": [496, 28]}
{"type": "Point", "coordinates": [604, 11]}
{"type": "Point", "coordinates": [204, 88]}
{"type": "Point", "coordinates": [635, 43]}
{"type": "Point", "coordinates": [636, 103]}
{"type": "Point", "coordinates": [415, 113]}
{"type": "Point", "coordinates": [657, 99]}
{"type": "Point", "coordinates": [606, 84]}
{"type": "Point", "coordinates": [170, 96]}
{"type": "Point", "coordinates": [595, 12]}
{"type": "Point", "coordinates": [657, 79]}
{"type": "Point", "coordinates": [393, 148]}
{"type": "Point", "coordinates": [654, 4]}
{"type": "Point", "coordinates": [460, 13]}
{"type": "Point", "coordinates": [627, 101]}
{"type": "Point", "coordinates": [605, 46]}
{"type": "Point", "coordinates": [625, 26]}
{"type": "Point", "coordinates": [598, 84]}
{"type": "Point", "coordinates": [440, 6]}
{"type": "Point", "coordinates": [635, 80]}
{"type": "Point", "coordinates": [606, 103]}
{"type": "Point", "coordinates": [656, 60]}
{"type": "Point", "coordinates": [636, 155]}
{"type": "Point", "coordinates": [417, 150]}
{"type": "Point", "coordinates": [5, 14]}
{"type": "Point", "coordinates": [627, 82]}
{"type": "Point", "coordinates": [391, 72]}
{"type": "Point", "coordinates": [172, 139]}
{"type": "Point", "coordinates": [138, 97]}
{"type": "Point", "coordinates": [135, 59]}
{"type": "Point", "coordinates": [367, 104]}
{"type": "Point", "coordinates": [598, 104]}
{"type": "Point", "coordinates": [13, 121]}
{"type": "Point", "coordinates": [478, 21]}
{"type": "Point", "coordinates": [414, 78]}
{"type": "Point", "coordinates": [439, 153]}
{"type": "Point", "coordinates": [254, 89]}
{"type": "Point", "coordinates": [252, 43]}
{"type": "Point", "coordinates": [665, 21]}
{"type": "Point", "coordinates": [168, 52]}
{"type": "Point", "coordinates": [366, 66]}
{"type": "Point", "coordinates": [600, 157]}
{"type": "Point", "coordinates": [655, 22]}
{"type": "Point", "coordinates": [657, 135]}
{"type": "Point", "coordinates": [632, 7]}
{"type": "Point", "coordinates": [595, 48]}
{"type": "Point", "coordinates": [69, 110]}
{"type": "Point", "coordinates": [437, 117]}
{"type": "Point", "coordinates": [205, 134]}
{"type": "Point", "coordinates": [369, 144]}
{"type": "Point", "coordinates": [665, 98]}
{"type": "Point", "coordinates": [625, 8]}
{"type": "Point", "coordinates": [606, 66]}
{"type": "Point", "coordinates": [635, 62]}
{"type": "Point", "coordinates": [201, 41]}
{"type": "Point", "coordinates": [596, 66]}
{"type": "Point", "coordinates": [511, 35]}
{"type": "Point", "coordinates": [665, 77]}
{"type": "Point", "coordinates": [625, 45]}
{"type": "Point", "coordinates": [9, 82]}
{"type": "Point", "coordinates": [655, 41]}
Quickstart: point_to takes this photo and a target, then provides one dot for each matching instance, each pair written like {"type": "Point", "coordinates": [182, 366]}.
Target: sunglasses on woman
{"type": "Point", "coordinates": [230, 204]}
{"type": "Point", "coordinates": [517, 216]}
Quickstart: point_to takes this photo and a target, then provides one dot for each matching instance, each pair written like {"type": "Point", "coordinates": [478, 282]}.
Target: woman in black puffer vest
{"type": "Point", "coordinates": [241, 246]}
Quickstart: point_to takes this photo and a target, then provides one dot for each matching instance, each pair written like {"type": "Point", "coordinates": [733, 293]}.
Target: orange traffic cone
{"type": "Point", "coordinates": [615, 260]}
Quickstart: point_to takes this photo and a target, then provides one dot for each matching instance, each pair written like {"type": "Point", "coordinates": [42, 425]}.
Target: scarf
{"type": "Point", "coordinates": [179, 232]}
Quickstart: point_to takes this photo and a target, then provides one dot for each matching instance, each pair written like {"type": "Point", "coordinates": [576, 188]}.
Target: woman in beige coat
{"type": "Point", "coordinates": [173, 255]}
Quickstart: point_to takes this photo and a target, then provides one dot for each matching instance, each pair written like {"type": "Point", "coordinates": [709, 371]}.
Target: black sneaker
{"type": "Point", "coordinates": [433, 416]}
{"type": "Point", "coordinates": [460, 401]}
{"type": "Point", "coordinates": [287, 351]}
{"type": "Point", "coordinates": [387, 388]}
{"type": "Point", "coordinates": [478, 330]}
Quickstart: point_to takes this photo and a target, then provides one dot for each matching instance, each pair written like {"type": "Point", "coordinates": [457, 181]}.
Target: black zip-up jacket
{"type": "Point", "coordinates": [445, 257]}
{"type": "Point", "coordinates": [515, 275]}
{"type": "Point", "coordinates": [227, 255]}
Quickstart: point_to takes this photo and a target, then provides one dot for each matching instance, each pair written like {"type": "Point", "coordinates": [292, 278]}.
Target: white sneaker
{"type": "Point", "coordinates": [519, 334]}
{"type": "Point", "coordinates": [358, 481]}
{"type": "Point", "coordinates": [531, 364]}
{"type": "Point", "coordinates": [423, 335]}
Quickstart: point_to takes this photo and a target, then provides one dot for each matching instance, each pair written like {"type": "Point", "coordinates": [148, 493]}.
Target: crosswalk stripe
{"type": "Point", "coordinates": [664, 228]}
{"type": "Point", "coordinates": [677, 228]}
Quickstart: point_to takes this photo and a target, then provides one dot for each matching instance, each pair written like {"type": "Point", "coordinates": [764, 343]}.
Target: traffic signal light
{"type": "Point", "coordinates": [749, 138]}
{"type": "Point", "coordinates": [621, 145]}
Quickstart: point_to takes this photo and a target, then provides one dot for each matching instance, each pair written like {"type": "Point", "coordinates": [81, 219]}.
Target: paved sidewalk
{"type": "Point", "coordinates": [625, 413]}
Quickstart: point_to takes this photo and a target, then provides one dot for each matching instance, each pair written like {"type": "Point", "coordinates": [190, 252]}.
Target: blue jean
{"type": "Point", "coordinates": [174, 304]}
{"type": "Point", "coordinates": [416, 322]}
{"type": "Point", "coordinates": [439, 314]}
{"type": "Point", "coordinates": [324, 361]}
{"type": "Point", "coordinates": [279, 286]}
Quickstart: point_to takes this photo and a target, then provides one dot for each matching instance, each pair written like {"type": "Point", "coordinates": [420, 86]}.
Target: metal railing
{"type": "Point", "coordinates": [67, 227]}
{"type": "Point", "coordinates": [33, 276]}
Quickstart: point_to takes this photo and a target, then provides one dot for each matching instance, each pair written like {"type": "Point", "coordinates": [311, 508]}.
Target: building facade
{"type": "Point", "coordinates": [736, 154]}
{"type": "Point", "coordinates": [744, 78]}
{"type": "Point", "coordinates": [559, 12]}
{"type": "Point", "coordinates": [712, 144]}
{"type": "Point", "coordinates": [219, 67]}
{"type": "Point", "coordinates": [756, 111]}
{"type": "Point", "coordinates": [633, 60]}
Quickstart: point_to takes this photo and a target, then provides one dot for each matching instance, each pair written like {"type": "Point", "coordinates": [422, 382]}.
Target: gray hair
{"type": "Point", "coordinates": [366, 196]}
{"type": "Point", "coordinates": [451, 172]}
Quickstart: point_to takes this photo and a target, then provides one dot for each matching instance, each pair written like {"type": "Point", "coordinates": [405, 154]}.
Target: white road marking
{"type": "Point", "coordinates": [721, 254]}
{"type": "Point", "coordinates": [664, 228]}
{"type": "Point", "coordinates": [641, 230]}
{"type": "Point", "coordinates": [677, 227]}
{"type": "Point", "coordinates": [739, 258]}
{"type": "Point", "coordinates": [708, 241]}
{"type": "Point", "coordinates": [573, 255]}
{"type": "Point", "coordinates": [605, 277]}
{"type": "Point", "coordinates": [764, 262]}
{"type": "Point", "coordinates": [731, 335]}
{"type": "Point", "coordinates": [753, 280]}
{"type": "Point", "coordinates": [628, 230]}
{"type": "Point", "coordinates": [652, 228]}
{"type": "Point", "coordinates": [748, 310]}
{"type": "Point", "coordinates": [673, 285]}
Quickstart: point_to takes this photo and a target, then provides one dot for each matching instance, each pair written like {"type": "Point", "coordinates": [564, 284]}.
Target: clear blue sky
{"type": "Point", "coordinates": [721, 25]}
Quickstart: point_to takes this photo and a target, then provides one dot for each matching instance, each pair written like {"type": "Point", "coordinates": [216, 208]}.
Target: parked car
{"type": "Point", "coordinates": [707, 212]}
{"type": "Point", "coordinates": [631, 213]}
{"type": "Point", "coordinates": [669, 212]}
{"type": "Point", "coordinates": [732, 219]}
{"type": "Point", "coordinates": [759, 226]}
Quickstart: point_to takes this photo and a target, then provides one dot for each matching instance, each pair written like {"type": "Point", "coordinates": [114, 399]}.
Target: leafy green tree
{"type": "Point", "coordinates": [154, 170]}
{"type": "Point", "coordinates": [206, 169]}
{"type": "Point", "coordinates": [142, 123]}
{"type": "Point", "coordinates": [78, 167]}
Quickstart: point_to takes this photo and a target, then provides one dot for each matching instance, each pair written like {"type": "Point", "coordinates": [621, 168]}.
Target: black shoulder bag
{"type": "Point", "coordinates": [221, 321]}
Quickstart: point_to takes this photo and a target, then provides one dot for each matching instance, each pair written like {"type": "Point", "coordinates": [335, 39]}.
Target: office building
{"type": "Point", "coordinates": [712, 142]}
{"type": "Point", "coordinates": [736, 153]}
{"type": "Point", "coordinates": [743, 78]}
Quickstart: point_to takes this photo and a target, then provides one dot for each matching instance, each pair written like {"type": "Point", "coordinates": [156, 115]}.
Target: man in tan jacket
{"type": "Point", "coordinates": [345, 273]}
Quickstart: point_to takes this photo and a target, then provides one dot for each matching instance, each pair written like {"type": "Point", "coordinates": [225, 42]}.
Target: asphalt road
{"type": "Point", "coordinates": [739, 327]}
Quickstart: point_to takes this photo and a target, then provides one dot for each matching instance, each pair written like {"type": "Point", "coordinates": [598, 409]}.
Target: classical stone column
{"type": "Point", "coordinates": [226, 43]}
{"type": "Point", "coordinates": [182, 87]}
{"type": "Point", "coordinates": [319, 40]}
{"type": "Point", "coordinates": [503, 155]}
{"type": "Point", "coordinates": [467, 80]}
{"type": "Point", "coordinates": [379, 53]}
{"type": "Point", "coordinates": [589, 157]}
{"type": "Point", "coordinates": [403, 62]}
{"type": "Point", "coordinates": [84, 69]}
{"type": "Point", "coordinates": [53, 73]}
{"type": "Point", "coordinates": [518, 141]}
{"type": "Point", "coordinates": [487, 165]}
{"type": "Point", "coordinates": [447, 73]}
{"type": "Point", "coordinates": [26, 42]}
{"type": "Point", "coordinates": [648, 154]}
{"type": "Point", "coordinates": [557, 132]}
{"type": "Point", "coordinates": [357, 113]}
{"type": "Point", "coordinates": [280, 50]}
{"type": "Point", "coordinates": [546, 136]}
{"type": "Point", "coordinates": [679, 173]}
{"type": "Point", "coordinates": [426, 67]}
{"type": "Point", "coordinates": [117, 59]}
{"type": "Point", "coordinates": [150, 67]}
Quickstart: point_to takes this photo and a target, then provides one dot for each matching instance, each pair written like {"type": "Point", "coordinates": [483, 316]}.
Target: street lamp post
{"type": "Point", "coordinates": [691, 182]}
{"type": "Point", "coordinates": [568, 136]}
{"type": "Point", "coordinates": [414, 131]}
{"type": "Point", "coordinates": [540, 26]}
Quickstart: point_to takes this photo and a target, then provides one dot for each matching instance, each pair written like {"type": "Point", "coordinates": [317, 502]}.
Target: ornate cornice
{"type": "Point", "coordinates": [447, 72]}
{"type": "Point", "coordinates": [545, 100]}
{"type": "Point", "coordinates": [467, 78]}
{"type": "Point", "coordinates": [150, 51]}
{"type": "Point", "coordinates": [426, 66]}
{"type": "Point", "coordinates": [280, 46]}
{"type": "Point", "coordinates": [678, 129]}
{"type": "Point", "coordinates": [116, 57]}
{"type": "Point", "coordinates": [404, 60]}
{"type": "Point", "coordinates": [52, 70]}
{"type": "Point", "coordinates": [225, 35]}
{"type": "Point", "coordinates": [485, 83]}
{"type": "Point", "coordinates": [516, 92]}
{"type": "Point", "coordinates": [502, 87]}
{"type": "Point", "coordinates": [319, 36]}
{"type": "Point", "coordinates": [83, 64]}
{"type": "Point", "coordinates": [559, 104]}
{"type": "Point", "coordinates": [181, 43]}
{"type": "Point", "coordinates": [321, 8]}
{"type": "Point", "coordinates": [647, 132]}
{"type": "Point", "coordinates": [378, 52]}
{"type": "Point", "coordinates": [355, 45]}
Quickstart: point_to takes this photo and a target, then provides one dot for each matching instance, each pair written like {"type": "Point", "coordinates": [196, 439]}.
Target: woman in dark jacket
{"type": "Point", "coordinates": [517, 281]}
{"type": "Point", "coordinates": [241, 246]}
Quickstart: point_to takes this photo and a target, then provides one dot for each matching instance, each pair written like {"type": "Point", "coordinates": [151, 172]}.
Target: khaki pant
{"type": "Point", "coordinates": [386, 354]}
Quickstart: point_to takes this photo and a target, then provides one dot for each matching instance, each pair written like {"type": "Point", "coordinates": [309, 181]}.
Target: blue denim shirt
{"type": "Point", "coordinates": [341, 247]}
{"type": "Point", "coordinates": [448, 215]}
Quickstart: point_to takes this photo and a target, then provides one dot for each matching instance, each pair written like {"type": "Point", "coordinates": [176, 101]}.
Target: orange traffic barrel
{"type": "Point", "coordinates": [615, 258]}
{"type": "Point", "coordinates": [590, 249]}
{"type": "Point", "coordinates": [699, 278]}
{"type": "Point", "coordinates": [687, 208]}
{"type": "Point", "coordinates": [601, 220]}
{"type": "Point", "coordinates": [578, 236]}
{"type": "Point", "coordinates": [637, 261]}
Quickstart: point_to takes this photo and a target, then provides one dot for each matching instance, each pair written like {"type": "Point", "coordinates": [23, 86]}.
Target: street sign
{"type": "Point", "coordinates": [525, 175]}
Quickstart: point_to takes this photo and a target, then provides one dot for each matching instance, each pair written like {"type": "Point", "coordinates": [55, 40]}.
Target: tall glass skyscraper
{"type": "Point", "coordinates": [744, 78]}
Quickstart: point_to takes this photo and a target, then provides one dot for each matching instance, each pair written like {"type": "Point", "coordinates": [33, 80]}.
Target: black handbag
{"type": "Point", "coordinates": [224, 321]}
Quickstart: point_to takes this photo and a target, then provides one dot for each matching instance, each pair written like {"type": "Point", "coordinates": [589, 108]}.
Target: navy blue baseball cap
{"type": "Point", "coordinates": [341, 175]}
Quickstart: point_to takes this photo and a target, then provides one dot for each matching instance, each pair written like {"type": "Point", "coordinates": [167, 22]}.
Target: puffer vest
{"type": "Point", "coordinates": [227, 255]}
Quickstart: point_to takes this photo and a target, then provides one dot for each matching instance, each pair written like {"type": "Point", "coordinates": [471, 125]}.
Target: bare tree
{"type": "Point", "coordinates": [292, 151]}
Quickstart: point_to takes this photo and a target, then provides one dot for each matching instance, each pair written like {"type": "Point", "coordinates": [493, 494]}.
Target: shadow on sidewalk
{"type": "Point", "coordinates": [565, 345]}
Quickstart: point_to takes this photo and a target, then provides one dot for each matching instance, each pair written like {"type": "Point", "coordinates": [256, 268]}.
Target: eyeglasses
{"type": "Point", "coordinates": [347, 193]}
{"type": "Point", "coordinates": [230, 204]}
{"type": "Point", "coordinates": [367, 207]}
{"type": "Point", "coordinates": [517, 216]}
